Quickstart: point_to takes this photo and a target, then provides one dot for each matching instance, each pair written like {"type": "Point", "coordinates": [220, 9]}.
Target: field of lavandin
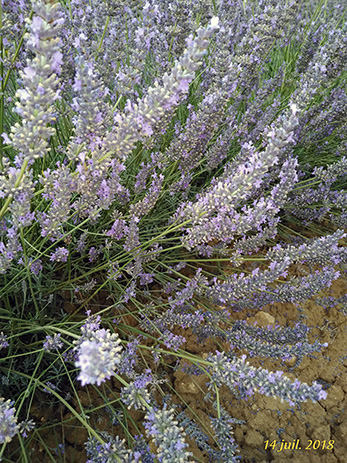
{"type": "Point", "coordinates": [171, 171]}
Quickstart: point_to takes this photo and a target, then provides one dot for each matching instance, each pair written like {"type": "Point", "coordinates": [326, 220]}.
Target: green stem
{"type": "Point", "coordinates": [26, 393]}
{"type": "Point", "coordinates": [66, 404]}
{"type": "Point", "coordinates": [103, 36]}
{"type": "Point", "coordinates": [29, 276]}
{"type": "Point", "coordinates": [24, 455]}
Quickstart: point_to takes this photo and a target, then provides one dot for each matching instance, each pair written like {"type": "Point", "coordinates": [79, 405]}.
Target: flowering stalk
{"type": "Point", "coordinates": [168, 437]}
{"type": "Point", "coordinates": [140, 119]}
{"type": "Point", "coordinates": [239, 184]}
{"type": "Point", "coordinates": [39, 91]}
{"type": "Point", "coordinates": [8, 421]}
{"type": "Point", "coordinates": [239, 376]}
{"type": "Point", "coordinates": [40, 84]}
{"type": "Point", "coordinates": [98, 353]}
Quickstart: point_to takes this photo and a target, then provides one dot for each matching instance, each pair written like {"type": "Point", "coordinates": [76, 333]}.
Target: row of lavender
{"type": "Point", "coordinates": [144, 145]}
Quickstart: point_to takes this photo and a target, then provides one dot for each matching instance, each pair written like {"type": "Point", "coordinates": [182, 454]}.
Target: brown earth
{"type": "Point", "coordinates": [308, 434]}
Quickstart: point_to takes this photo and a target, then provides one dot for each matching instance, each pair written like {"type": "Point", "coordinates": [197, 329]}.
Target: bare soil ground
{"type": "Point", "coordinates": [308, 434]}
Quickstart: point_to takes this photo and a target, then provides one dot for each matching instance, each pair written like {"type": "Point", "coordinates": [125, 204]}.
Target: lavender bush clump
{"type": "Point", "coordinates": [156, 161]}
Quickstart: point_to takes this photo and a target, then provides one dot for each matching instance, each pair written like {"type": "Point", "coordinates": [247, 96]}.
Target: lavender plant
{"type": "Point", "coordinates": [144, 146]}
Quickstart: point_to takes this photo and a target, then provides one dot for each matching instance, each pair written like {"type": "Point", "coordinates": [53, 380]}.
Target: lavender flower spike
{"type": "Point", "coordinates": [141, 118]}
{"type": "Point", "coordinates": [98, 353]}
{"type": "Point", "coordinates": [8, 421]}
{"type": "Point", "coordinates": [245, 174]}
{"type": "Point", "coordinates": [39, 82]}
{"type": "Point", "coordinates": [52, 343]}
{"type": "Point", "coordinates": [168, 437]}
{"type": "Point", "coordinates": [239, 376]}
